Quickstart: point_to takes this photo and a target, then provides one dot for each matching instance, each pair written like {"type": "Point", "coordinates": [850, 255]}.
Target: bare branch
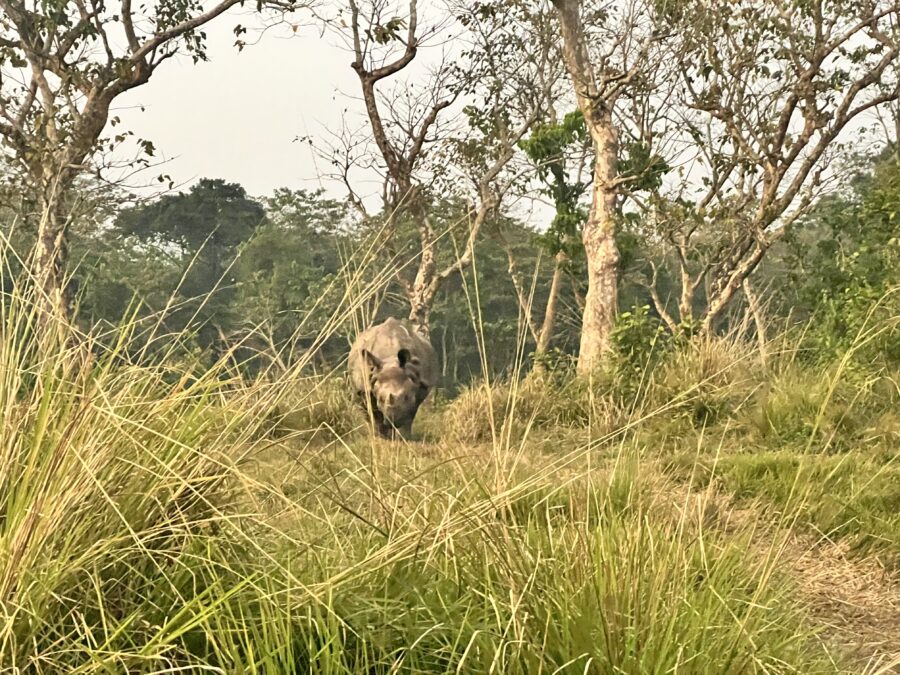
{"type": "Point", "coordinates": [177, 31]}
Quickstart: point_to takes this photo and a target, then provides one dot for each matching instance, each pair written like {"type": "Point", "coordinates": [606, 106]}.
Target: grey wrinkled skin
{"type": "Point", "coordinates": [392, 369]}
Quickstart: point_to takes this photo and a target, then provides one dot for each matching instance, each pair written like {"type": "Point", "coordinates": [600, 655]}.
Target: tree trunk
{"type": "Point", "coordinates": [54, 176]}
{"type": "Point", "coordinates": [420, 313]}
{"type": "Point", "coordinates": [720, 295]}
{"type": "Point", "coordinates": [599, 232]}
{"type": "Point", "coordinates": [758, 320]}
{"type": "Point", "coordinates": [686, 304]}
{"type": "Point", "coordinates": [601, 251]}
{"type": "Point", "coordinates": [545, 335]}
{"type": "Point", "coordinates": [49, 260]}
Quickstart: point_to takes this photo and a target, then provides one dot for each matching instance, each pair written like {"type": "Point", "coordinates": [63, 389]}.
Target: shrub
{"type": "Point", "coordinates": [542, 400]}
{"type": "Point", "coordinates": [480, 412]}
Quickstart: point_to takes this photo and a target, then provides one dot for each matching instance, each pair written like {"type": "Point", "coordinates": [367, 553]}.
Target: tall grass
{"type": "Point", "coordinates": [151, 522]}
{"type": "Point", "coordinates": [120, 550]}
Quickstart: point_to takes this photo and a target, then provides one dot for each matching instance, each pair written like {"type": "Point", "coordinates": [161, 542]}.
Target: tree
{"type": "Point", "coordinates": [553, 147]}
{"type": "Point", "coordinates": [63, 64]}
{"type": "Point", "coordinates": [767, 90]}
{"type": "Point", "coordinates": [602, 70]}
{"type": "Point", "coordinates": [514, 86]}
{"type": "Point", "coordinates": [286, 270]}
{"type": "Point", "coordinates": [202, 229]}
{"type": "Point", "coordinates": [842, 265]}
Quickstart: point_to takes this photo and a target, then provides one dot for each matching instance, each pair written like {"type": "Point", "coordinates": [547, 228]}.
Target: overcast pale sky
{"type": "Point", "coordinates": [237, 116]}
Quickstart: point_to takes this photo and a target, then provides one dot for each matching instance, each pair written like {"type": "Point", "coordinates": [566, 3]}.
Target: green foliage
{"type": "Point", "coordinates": [844, 266]}
{"type": "Point", "coordinates": [550, 147]}
{"type": "Point", "coordinates": [640, 339]}
{"type": "Point", "coordinates": [288, 272]}
{"type": "Point", "coordinates": [643, 168]}
{"type": "Point", "coordinates": [549, 143]}
{"type": "Point", "coordinates": [202, 229]}
{"type": "Point", "coordinates": [212, 218]}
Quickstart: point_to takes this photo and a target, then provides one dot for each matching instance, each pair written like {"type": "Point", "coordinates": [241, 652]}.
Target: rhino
{"type": "Point", "coordinates": [392, 368]}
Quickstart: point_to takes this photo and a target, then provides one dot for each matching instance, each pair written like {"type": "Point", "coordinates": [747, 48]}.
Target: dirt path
{"type": "Point", "coordinates": [856, 600]}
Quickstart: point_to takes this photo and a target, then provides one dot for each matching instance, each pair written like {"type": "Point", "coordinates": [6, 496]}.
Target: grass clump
{"type": "Point", "coordinates": [318, 404]}
{"type": "Point", "coordinates": [479, 411]}
{"type": "Point", "coordinates": [701, 382]}
{"type": "Point", "coordinates": [116, 553]}
{"type": "Point", "coordinates": [704, 380]}
{"type": "Point", "coordinates": [511, 409]}
{"type": "Point", "coordinates": [854, 497]}
{"type": "Point", "coordinates": [820, 409]}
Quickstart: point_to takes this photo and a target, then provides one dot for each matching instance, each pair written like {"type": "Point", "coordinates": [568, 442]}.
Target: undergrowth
{"type": "Point", "coordinates": [154, 518]}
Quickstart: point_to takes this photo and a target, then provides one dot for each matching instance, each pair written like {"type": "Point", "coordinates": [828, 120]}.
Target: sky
{"type": "Point", "coordinates": [239, 115]}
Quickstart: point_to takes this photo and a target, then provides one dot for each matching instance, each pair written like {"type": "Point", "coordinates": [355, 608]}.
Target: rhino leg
{"type": "Point", "coordinates": [386, 431]}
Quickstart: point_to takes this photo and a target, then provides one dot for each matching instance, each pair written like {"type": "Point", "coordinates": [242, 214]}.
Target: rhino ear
{"type": "Point", "coordinates": [371, 360]}
{"type": "Point", "coordinates": [405, 356]}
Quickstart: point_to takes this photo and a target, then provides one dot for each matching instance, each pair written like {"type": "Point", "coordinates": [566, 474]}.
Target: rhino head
{"type": "Point", "coordinates": [397, 390]}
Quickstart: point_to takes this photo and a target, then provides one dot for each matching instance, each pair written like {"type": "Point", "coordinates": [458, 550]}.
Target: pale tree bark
{"type": "Point", "coordinates": [49, 256]}
{"type": "Point", "coordinates": [548, 325]}
{"type": "Point", "coordinates": [403, 194]}
{"type": "Point", "coordinates": [599, 231]}
{"type": "Point", "coordinates": [543, 334]}
{"type": "Point", "coordinates": [659, 304]}
{"type": "Point", "coordinates": [523, 298]}
{"type": "Point", "coordinates": [423, 289]}
{"type": "Point", "coordinates": [753, 306]}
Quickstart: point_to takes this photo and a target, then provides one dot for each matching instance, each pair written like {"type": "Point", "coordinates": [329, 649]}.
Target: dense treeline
{"type": "Point", "coordinates": [224, 266]}
{"type": "Point", "coordinates": [683, 152]}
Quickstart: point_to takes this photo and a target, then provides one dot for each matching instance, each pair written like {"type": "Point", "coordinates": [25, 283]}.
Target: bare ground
{"type": "Point", "coordinates": [856, 600]}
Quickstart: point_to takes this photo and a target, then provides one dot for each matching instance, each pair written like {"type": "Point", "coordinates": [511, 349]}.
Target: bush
{"type": "Point", "coordinates": [477, 413]}
{"type": "Point", "coordinates": [640, 339]}
{"type": "Point", "coordinates": [542, 400]}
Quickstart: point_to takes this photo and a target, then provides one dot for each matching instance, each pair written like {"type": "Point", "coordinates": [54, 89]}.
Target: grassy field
{"type": "Point", "coordinates": [710, 514]}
